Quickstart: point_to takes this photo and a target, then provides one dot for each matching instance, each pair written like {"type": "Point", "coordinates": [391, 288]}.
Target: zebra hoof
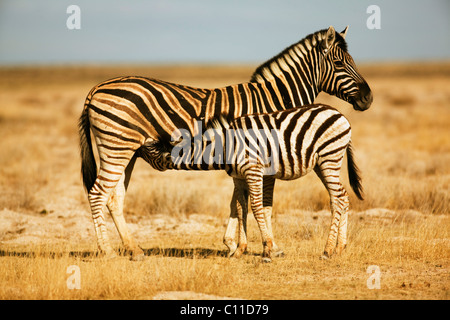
{"type": "Point", "coordinates": [325, 256]}
{"type": "Point", "coordinates": [137, 257]}
{"type": "Point", "coordinates": [232, 253]}
{"type": "Point", "coordinates": [242, 248]}
{"type": "Point", "coordinates": [232, 247]}
{"type": "Point", "coordinates": [237, 254]}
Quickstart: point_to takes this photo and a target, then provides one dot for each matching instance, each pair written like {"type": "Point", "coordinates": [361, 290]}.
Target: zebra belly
{"type": "Point", "coordinates": [292, 175]}
{"type": "Point", "coordinates": [297, 171]}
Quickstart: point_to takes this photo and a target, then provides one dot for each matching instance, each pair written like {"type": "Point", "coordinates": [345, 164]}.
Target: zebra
{"type": "Point", "coordinates": [134, 117]}
{"type": "Point", "coordinates": [342, 78]}
{"type": "Point", "coordinates": [286, 145]}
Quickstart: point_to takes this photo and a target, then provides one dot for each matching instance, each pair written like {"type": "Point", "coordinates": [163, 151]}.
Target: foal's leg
{"type": "Point", "coordinates": [242, 210]}
{"type": "Point", "coordinates": [268, 187]}
{"type": "Point", "coordinates": [238, 210]}
{"type": "Point", "coordinates": [342, 231]}
{"type": "Point", "coordinates": [254, 178]}
{"type": "Point", "coordinates": [337, 236]}
{"type": "Point", "coordinates": [239, 205]}
{"type": "Point", "coordinates": [229, 236]}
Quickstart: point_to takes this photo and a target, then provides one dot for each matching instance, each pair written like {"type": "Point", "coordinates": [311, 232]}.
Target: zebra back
{"type": "Point", "coordinates": [291, 140]}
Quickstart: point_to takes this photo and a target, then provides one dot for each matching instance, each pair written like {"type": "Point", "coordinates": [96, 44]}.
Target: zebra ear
{"type": "Point", "coordinates": [330, 36]}
{"type": "Point", "coordinates": [344, 32]}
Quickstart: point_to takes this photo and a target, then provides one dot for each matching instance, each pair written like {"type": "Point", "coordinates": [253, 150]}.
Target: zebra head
{"type": "Point", "coordinates": [339, 74]}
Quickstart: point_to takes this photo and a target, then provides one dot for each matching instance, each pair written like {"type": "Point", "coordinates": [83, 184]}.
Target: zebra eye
{"type": "Point", "coordinates": [339, 63]}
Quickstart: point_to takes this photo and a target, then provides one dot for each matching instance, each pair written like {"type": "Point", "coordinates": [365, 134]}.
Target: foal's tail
{"type": "Point", "coordinates": [353, 173]}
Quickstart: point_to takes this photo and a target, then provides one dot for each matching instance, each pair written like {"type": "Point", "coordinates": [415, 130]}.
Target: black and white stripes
{"type": "Point", "coordinates": [290, 143]}
{"type": "Point", "coordinates": [133, 117]}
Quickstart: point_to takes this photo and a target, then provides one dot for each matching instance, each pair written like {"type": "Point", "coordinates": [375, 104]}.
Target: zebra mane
{"type": "Point", "coordinates": [340, 42]}
{"type": "Point", "coordinates": [311, 40]}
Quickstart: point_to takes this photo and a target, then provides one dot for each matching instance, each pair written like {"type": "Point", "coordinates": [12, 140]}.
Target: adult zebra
{"type": "Point", "coordinates": [133, 117]}
{"type": "Point", "coordinates": [284, 145]}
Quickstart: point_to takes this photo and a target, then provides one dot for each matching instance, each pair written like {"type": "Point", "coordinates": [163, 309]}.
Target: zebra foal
{"type": "Point", "coordinates": [282, 145]}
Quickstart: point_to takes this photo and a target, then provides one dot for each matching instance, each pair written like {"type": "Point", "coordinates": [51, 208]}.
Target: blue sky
{"type": "Point", "coordinates": [201, 31]}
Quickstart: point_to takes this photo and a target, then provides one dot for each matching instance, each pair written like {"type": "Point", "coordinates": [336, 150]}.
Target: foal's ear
{"type": "Point", "coordinates": [328, 41]}
{"type": "Point", "coordinates": [344, 32]}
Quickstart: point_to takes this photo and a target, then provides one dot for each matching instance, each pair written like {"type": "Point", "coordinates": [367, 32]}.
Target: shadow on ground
{"type": "Point", "coordinates": [165, 252]}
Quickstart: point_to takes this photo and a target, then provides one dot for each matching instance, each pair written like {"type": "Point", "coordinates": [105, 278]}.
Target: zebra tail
{"type": "Point", "coordinates": [88, 166]}
{"type": "Point", "coordinates": [353, 173]}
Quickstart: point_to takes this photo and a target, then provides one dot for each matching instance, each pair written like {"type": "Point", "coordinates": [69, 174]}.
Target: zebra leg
{"type": "Point", "coordinates": [98, 198]}
{"type": "Point", "coordinates": [268, 187]}
{"type": "Point", "coordinates": [115, 206]}
{"type": "Point", "coordinates": [337, 238]}
{"type": "Point", "coordinates": [228, 238]}
{"type": "Point", "coordinates": [339, 207]}
{"type": "Point", "coordinates": [242, 210]}
{"type": "Point", "coordinates": [342, 232]}
{"type": "Point", "coordinates": [238, 208]}
{"type": "Point", "coordinates": [254, 178]}
{"type": "Point", "coordinates": [108, 178]}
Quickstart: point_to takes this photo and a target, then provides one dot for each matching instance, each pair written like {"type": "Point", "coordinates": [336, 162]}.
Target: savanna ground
{"type": "Point", "coordinates": [402, 146]}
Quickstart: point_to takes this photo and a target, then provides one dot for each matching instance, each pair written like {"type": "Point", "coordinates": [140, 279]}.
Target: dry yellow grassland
{"type": "Point", "coordinates": [402, 147]}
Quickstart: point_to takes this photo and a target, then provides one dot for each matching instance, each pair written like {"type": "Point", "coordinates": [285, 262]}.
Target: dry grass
{"type": "Point", "coordinates": [402, 146]}
{"type": "Point", "coordinates": [411, 251]}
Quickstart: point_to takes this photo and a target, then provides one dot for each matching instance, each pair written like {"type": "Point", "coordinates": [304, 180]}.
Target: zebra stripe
{"type": "Point", "coordinates": [309, 138]}
{"type": "Point", "coordinates": [134, 116]}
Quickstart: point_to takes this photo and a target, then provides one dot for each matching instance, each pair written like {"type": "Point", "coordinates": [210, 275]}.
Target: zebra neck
{"type": "Point", "coordinates": [294, 73]}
